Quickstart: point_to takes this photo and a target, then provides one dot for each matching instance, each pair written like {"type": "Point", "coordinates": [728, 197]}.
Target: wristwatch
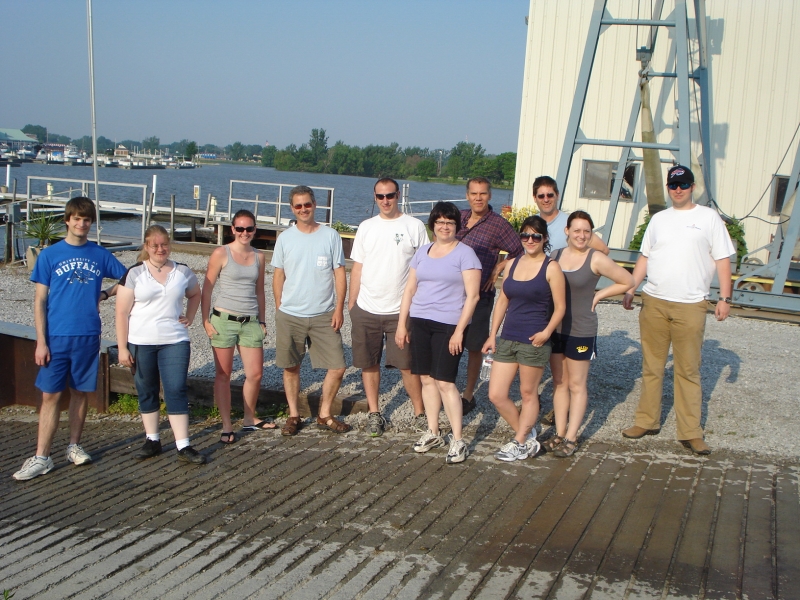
{"type": "Point", "coordinates": [727, 299]}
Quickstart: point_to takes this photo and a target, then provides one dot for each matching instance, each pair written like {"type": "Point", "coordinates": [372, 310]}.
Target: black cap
{"type": "Point", "coordinates": [680, 174]}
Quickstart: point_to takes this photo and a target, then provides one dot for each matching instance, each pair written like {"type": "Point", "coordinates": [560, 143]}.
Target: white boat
{"type": "Point", "coordinates": [185, 164]}
{"type": "Point", "coordinates": [71, 153]}
{"type": "Point", "coordinates": [26, 153]}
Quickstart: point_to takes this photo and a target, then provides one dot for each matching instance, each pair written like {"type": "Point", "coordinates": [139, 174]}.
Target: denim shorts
{"type": "Point", "coordinates": [74, 360]}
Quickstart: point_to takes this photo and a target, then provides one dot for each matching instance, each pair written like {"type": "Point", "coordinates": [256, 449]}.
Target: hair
{"type": "Point", "coordinates": [149, 233]}
{"type": "Point", "coordinates": [386, 180]}
{"type": "Point", "coordinates": [448, 210]}
{"type": "Point", "coordinates": [481, 180]}
{"type": "Point", "coordinates": [579, 214]}
{"type": "Point", "coordinates": [301, 190]}
{"type": "Point", "coordinates": [80, 206]}
{"type": "Point", "coordinates": [539, 225]}
{"type": "Point", "coordinates": [544, 180]}
{"type": "Point", "coordinates": [243, 213]}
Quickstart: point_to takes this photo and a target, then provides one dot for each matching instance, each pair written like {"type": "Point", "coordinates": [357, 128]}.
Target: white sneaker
{"type": "Point", "coordinates": [33, 467]}
{"type": "Point", "coordinates": [457, 452]}
{"type": "Point", "coordinates": [427, 441]}
{"type": "Point", "coordinates": [77, 455]}
{"type": "Point", "coordinates": [532, 444]}
{"type": "Point", "coordinates": [512, 451]}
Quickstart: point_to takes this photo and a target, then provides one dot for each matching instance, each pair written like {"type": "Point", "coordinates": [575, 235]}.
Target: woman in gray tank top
{"type": "Point", "coordinates": [237, 321]}
{"type": "Point", "coordinates": [574, 343]}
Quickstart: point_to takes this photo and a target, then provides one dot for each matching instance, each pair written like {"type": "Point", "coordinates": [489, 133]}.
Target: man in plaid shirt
{"type": "Point", "coordinates": [487, 233]}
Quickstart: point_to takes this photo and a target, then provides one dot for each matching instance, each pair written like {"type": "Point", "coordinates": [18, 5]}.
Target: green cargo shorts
{"type": "Point", "coordinates": [233, 333]}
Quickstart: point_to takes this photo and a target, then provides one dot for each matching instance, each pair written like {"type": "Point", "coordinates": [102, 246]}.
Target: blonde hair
{"type": "Point", "coordinates": [151, 231]}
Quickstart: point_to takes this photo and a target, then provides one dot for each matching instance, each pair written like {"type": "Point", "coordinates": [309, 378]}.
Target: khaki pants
{"type": "Point", "coordinates": [662, 322]}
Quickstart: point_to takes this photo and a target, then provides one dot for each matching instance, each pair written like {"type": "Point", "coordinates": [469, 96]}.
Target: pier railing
{"type": "Point", "coordinates": [274, 211]}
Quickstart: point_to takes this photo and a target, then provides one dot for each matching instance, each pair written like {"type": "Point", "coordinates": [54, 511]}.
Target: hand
{"type": "Point", "coordinates": [264, 329]}
{"type": "Point", "coordinates": [337, 320]}
{"type": "Point", "coordinates": [722, 311]}
{"type": "Point", "coordinates": [627, 301]}
{"type": "Point", "coordinates": [490, 283]}
{"type": "Point", "coordinates": [401, 337]}
{"type": "Point", "coordinates": [42, 355]}
{"type": "Point", "coordinates": [125, 358]}
{"type": "Point", "coordinates": [489, 346]}
{"type": "Point", "coordinates": [539, 339]}
{"type": "Point", "coordinates": [455, 343]}
{"type": "Point", "coordinates": [596, 301]}
{"type": "Point", "coordinates": [210, 331]}
{"type": "Point", "coordinates": [184, 320]}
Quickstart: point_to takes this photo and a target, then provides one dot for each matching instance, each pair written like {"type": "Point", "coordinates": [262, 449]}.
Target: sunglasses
{"type": "Point", "coordinates": [543, 196]}
{"type": "Point", "coordinates": [675, 186]}
{"type": "Point", "coordinates": [249, 229]}
{"type": "Point", "coordinates": [536, 237]}
{"type": "Point", "coordinates": [390, 196]}
{"type": "Point", "coordinates": [304, 205]}
{"type": "Point", "coordinates": [445, 223]}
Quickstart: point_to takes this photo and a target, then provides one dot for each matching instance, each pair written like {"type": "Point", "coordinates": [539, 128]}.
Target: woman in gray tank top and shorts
{"type": "Point", "coordinates": [236, 320]}
{"type": "Point", "coordinates": [574, 343]}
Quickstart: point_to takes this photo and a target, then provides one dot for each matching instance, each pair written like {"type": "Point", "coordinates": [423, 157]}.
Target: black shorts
{"type": "Point", "coordinates": [430, 351]}
{"type": "Point", "coordinates": [574, 348]}
{"type": "Point", "coordinates": [478, 331]}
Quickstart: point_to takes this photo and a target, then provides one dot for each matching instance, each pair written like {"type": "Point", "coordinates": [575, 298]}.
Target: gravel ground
{"type": "Point", "coordinates": [750, 380]}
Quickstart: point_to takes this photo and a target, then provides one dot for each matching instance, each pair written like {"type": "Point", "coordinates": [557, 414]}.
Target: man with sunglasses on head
{"type": "Point", "coordinates": [488, 234]}
{"type": "Point", "coordinates": [682, 248]}
{"type": "Point", "coordinates": [382, 252]}
{"type": "Point", "coordinates": [310, 285]}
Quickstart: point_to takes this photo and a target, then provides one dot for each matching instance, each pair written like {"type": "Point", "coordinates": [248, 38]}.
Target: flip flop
{"type": "Point", "coordinates": [227, 435]}
{"type": "Point", "coordinates": [264, 425]}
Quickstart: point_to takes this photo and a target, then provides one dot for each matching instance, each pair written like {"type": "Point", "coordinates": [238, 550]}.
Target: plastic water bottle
{"type": "Point", "coordinates": [486, 367]}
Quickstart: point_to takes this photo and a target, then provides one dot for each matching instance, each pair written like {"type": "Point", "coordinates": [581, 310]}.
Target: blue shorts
{"type": "Point", "coordinates": [574, 348]}
{"type": "Point", "coordinates": [73, 361]}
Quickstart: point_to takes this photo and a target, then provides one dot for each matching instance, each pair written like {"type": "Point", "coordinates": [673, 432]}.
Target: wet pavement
{"type": "Point", "coordinates": [325, 516]}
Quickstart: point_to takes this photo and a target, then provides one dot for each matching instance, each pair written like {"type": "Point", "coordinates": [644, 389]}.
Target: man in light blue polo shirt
{"type": "Point", "coordinates": [310, 286]}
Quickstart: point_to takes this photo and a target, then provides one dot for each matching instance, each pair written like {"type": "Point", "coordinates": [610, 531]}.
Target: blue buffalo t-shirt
{"type": "Point", "coordinates": [75, 276]}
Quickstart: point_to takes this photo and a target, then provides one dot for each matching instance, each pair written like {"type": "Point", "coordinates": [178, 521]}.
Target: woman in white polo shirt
{"type": "Point", "coordinates": [153, 339]}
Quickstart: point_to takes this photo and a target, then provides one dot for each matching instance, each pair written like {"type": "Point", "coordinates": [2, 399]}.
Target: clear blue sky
{"type": "Point", "coordinates": [417, 72]}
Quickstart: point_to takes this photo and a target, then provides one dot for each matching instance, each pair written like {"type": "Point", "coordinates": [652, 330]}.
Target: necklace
{"type": "Point", "coordinates": [155, 267]}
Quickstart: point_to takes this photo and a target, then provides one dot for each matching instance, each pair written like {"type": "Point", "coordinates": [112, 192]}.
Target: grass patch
{"type": "Point", "coordinates": [126, 404]}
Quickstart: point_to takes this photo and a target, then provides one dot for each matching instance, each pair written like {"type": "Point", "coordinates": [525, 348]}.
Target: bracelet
{"type": "Point", "coordinates": [264, 323]}
{"type": "Point", "coordinates": [101, 295]}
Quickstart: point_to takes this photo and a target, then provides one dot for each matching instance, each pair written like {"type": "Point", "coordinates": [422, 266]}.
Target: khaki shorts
{"type": "Point", "coordinates": [368, 333]}
{"type": "Point", "coordinates": [324, 343]}
{"type": "Point", "coordinates": [527, 355]}
{"type": "Point", "coordinates": [233, 333]}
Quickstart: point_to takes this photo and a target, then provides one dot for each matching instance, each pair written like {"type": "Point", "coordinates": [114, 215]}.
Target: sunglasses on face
{"type": "Point", "coordinates": [543, 196]}
{"type": "Point", "coordinates": [675, 186]}
{"type": "Point", "coordinates": [390, 196]}
{"type": "Point", "coordinates": [304, 205]}
{"type": "Point", "coordinates": [249, 229]}
{"type": "Point", "coordinates": [536, 237]}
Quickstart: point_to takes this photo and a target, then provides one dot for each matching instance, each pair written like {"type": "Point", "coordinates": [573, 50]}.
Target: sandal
{"type": "Point", "coordinates": [227, 437]}
{"type": "Point", "coordinates": [552, 443]}
{"type": "Point", "coordinates": [292, 426]}
{"type": "Point", "coordinates": [566, 448]}
{"type": "Point", "coordinates": [334, 425]}
{"type": "Point", "coordinates": [264, 425]}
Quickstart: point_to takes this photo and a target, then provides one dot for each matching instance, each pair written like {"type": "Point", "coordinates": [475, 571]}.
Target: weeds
{"type": "Point", "coordinates": [126, 404]}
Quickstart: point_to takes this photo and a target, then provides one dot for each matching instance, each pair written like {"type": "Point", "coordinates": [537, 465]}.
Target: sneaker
{"type": "Point", "coordinates": [457, 452]}
{"type": "Point", "coordinates": [77, 455]}
{"type": "Point", "coordinates": [190, 455]}
{"type": "Point", "coordinates": [150, 449]}
{"type": "Point", "coordinates": [427, 441]}
{"type": "Point", "coordinates": [512, 451]}
{"type": "Point", "coordinates": [33, 467]}
{"type": "Point", "coordinates": [532, 444]}
{"type": "Point", "coordinates": [420, 423]}
{"type": "Point", "coordinates": [376, 425]}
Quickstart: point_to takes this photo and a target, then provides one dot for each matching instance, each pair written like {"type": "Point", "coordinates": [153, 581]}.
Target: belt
{"type": "Point", "coordinates": [230, 317]}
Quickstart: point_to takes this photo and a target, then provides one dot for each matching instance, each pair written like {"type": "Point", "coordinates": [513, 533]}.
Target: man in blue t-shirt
{"type": "Point", "coordinates": [68, 277]}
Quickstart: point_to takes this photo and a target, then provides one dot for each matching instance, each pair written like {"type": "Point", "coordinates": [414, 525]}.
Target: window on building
{"type": "Point", "coordinates": [778, 194]}
{"type": "Point", "coordinates": [597, 181]}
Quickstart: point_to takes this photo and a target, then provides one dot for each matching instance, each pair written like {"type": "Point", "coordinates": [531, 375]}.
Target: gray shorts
{"type": "Point", "coordinates": [478, 331]}
{"type": "Point", "coordinates": [527, 355]}
{"type": "Point", "coordinates": [368, 334]}
{"type": "Point", "coordinates": [324, 343]}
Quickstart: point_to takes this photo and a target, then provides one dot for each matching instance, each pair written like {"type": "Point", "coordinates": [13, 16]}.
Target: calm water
{"type": "Point", "coordinates": [352, 196]}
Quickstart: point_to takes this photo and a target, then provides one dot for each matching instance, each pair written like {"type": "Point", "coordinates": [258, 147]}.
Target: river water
{"type": "Point", "coordinates": [352, 196]}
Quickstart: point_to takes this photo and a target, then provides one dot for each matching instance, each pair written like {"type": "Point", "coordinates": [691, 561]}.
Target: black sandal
{"type": "Point", "coordinates": [227, 435]}
{"type": "Point", "coordinates": [264, 425]}
{"type": "Point", "coordinates": [552, 443]}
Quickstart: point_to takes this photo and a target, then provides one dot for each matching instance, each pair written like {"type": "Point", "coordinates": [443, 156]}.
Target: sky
{"type": "Point", "coordinates": [427, 73]}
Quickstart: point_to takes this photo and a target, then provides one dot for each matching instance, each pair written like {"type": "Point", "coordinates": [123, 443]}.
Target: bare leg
{"type": "Point", "coordinates": [223, 361]}
{"type": "Point", "coordinates": [500, 383]}
{"type": "Point", "coordinates": [180, 426]}
{"type": "Point", "coordinates": [371, 376]}
{"type": "Point", "coordinates": [561, 391]}
{"type": "Point", "coordinates": [529, 378]}
{"type": "Point", "coordinates": [49, 415]}
{"type": "Point", "coordinates": [578, 371]}
{"type": "Point", "coordinates": [291, 386]}
{"type": "Point", "coordinates": [150, 422]}
{"type": "Point", "coordinates": [330, 387]}
{"type": "Point", "coordinates": [78, 405]}
{"type": "Point", "coordinates": [253, 362]}
{"type": "Point", "coordinates": [432, 401]}
{"type": "Point", "coordinates": [474, 362]}
{"type": "Point", "coordinates": [452, 406]}
{"type": "Point", "coordinates": [413, 387]}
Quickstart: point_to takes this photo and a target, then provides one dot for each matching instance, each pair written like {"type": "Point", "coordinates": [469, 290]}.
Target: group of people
{"type": "Point", "coordinates": [424, 302]}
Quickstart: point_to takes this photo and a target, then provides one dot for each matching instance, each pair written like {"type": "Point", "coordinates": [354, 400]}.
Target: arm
{"type": "Point", "coordinates": [355, 284]}
{"type": "Point", "coordinates": [603, 265]}
{"type": "Point", "coordinates": [401, 335]}
{"type": "Point", "coordinates": [42, 353]}
{"type": "Point", "coordinates": [555, 277]}
{"type": "Point", "coordinates": [498, 316]}
{"type": "Point", "coordinates": [193, 295]}
{"type": "Point", "coordinates": [125, 299]}
{"type": "Point", "coordinates": [598, 244]}
{"type": "Point", "coordinates": [639, 272]}
{"type": "Point", "coordinates": [212, 272]}
{"type": "Point", "coordinates": [260, 293]}
{"type": "Point", "coordinates": [340, 283]}
{"type": "Point", "coordinates": [723, 309]}
{"type": "Point", "coordinates": [502, 263]}
{"type": "Point", "coordinates": [472, 286]}
{"type": "Point", "coordinates": [278, 279]}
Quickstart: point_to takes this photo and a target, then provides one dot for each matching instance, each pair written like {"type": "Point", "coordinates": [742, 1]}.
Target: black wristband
{"type": "Point", "coordinates": [101, 295]}
{"type": "Point", "coordinates": [264, 323]}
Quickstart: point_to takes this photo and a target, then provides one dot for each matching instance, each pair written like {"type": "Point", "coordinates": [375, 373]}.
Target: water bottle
{"type": "Point", "coordinates": [486, 367]}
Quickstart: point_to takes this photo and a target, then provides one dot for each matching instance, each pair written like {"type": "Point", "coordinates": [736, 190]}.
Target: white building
{"type": "Point", "coordinates": [754, 68]}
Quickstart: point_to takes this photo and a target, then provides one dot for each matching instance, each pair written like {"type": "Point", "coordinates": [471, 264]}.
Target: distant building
{"type": "Point", "coordinates": [16, 138]}
{"type": "Point", "coordinates": [208, 155]}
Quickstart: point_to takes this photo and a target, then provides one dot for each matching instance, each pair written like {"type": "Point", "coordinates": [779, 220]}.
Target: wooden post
{"type": "Point", "coordinates": [255, 212]}
{"type": "Point", "coordinates": [172, 217]}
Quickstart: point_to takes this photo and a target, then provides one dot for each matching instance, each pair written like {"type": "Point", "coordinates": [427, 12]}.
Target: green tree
{"type": "Point", "coordinates": [37, 130]}
{"type": "Point", "coordinates": [426, 168]}
{"type": "Point", "coordinates": [191, 150]}
{"type": "Point", "coordinates": [151, 144]}
{"type": "Point", "coordinates": [507, 164]}
{"type": "Point", "coordinates": [268, 156]}
{"type": "Point", "coordinates": [318, 145]}
{"type": "Point", "coordinates": [467, 153]}
{"type": "Point", "coordinates": [236, 151]}
{"type": "Point", "coordinates": [454, 167]}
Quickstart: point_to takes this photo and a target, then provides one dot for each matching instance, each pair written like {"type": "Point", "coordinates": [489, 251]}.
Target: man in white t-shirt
{"type": "Point", "coordinates": [382, 251]}
{"type": "Point", "coordinates": [681, 250]}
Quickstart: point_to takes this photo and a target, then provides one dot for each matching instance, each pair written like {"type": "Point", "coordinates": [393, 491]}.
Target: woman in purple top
{"type": "Point", "coordinates": [441, 293]}
{"type": "Point", "coordinates": [532, 284]}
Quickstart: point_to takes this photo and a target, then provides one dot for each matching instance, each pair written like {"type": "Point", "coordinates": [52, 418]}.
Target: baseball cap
{"type": "Point", "coordinates": [680, 174]}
